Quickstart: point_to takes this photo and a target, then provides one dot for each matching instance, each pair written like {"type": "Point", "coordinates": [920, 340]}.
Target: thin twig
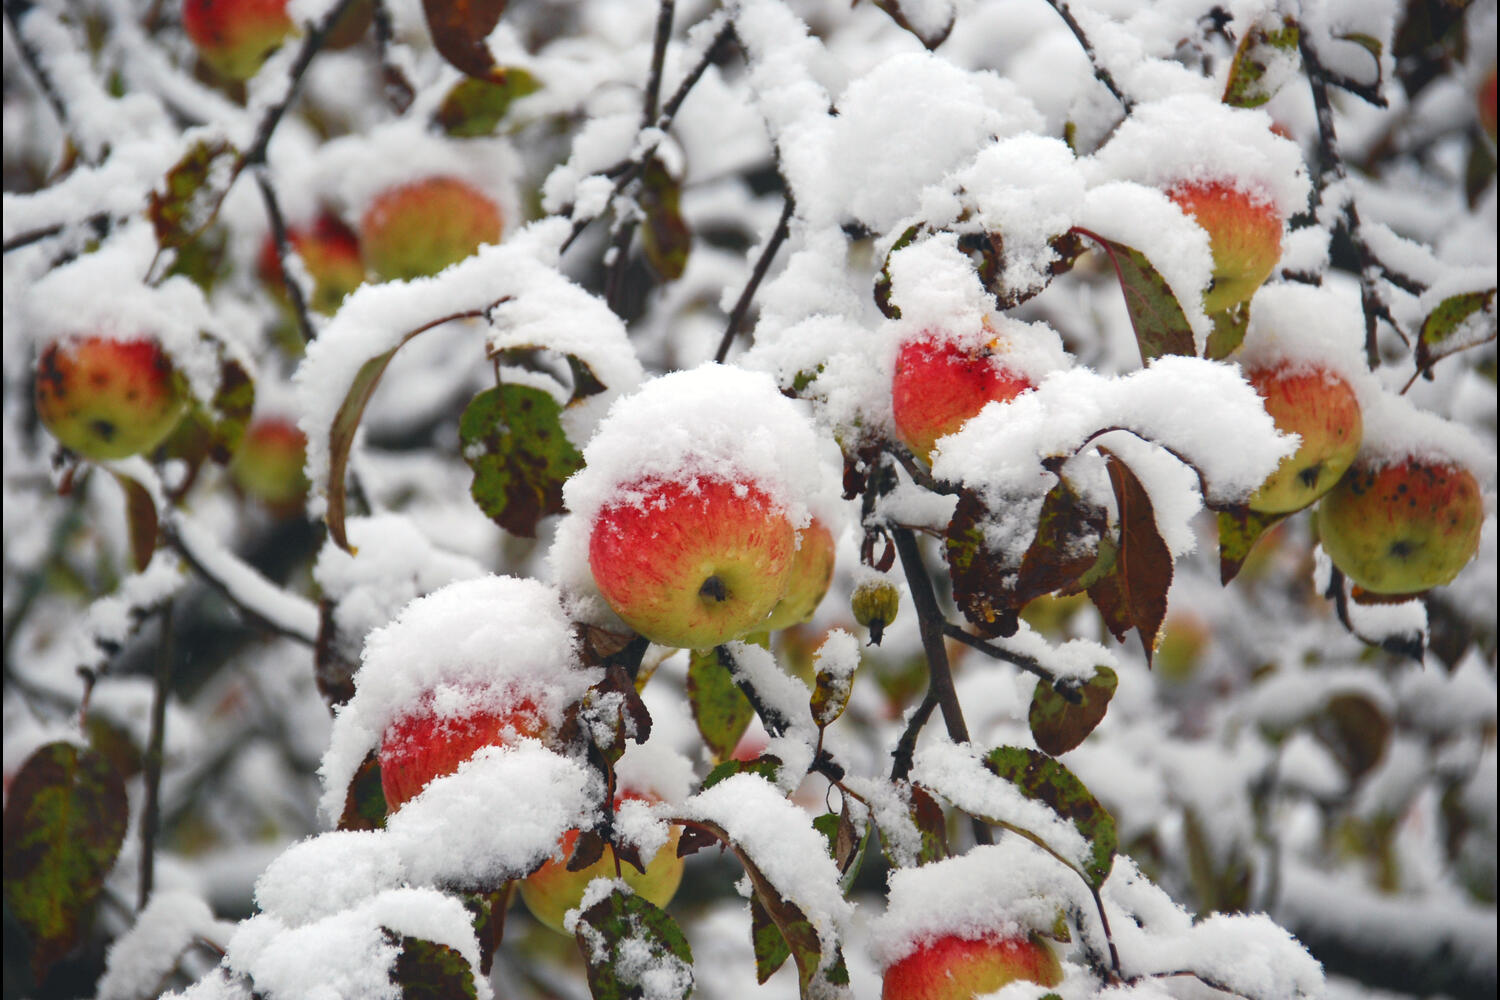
{"type": "Point", "coordinates": [741, 307]}
{"type": "Point", "coordinates": [664, 14]}
{"type": "Point", "coordinates": [312, 42]}
{"type": "Point", "coordinates": [151, 809]}
{"type": "Point", "coordinates": [918, 472]}
{"type": "Point", "coordinates": [261, 619]}
{"type": "Point", "coordinates": [399, 92]}
{"type": "Point", "coordinates": [906, 746]}
{"type": "Point", "coordinates": [15, 10]}
{"type": "Point", "coordinates": [283, 250]}
{"type": "Point", "coordinates": [1027, 663]}
{"type": "Point", "coordinates": [1101, 73]}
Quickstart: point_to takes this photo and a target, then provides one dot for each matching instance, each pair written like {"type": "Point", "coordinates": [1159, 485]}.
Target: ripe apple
{"type": "Point", "coordinates": [235, 36]}
{"type": "Point", "coordinates": [958, 968]}
{"type": "Point", "coordinates": [330, 250]}
{"type": "Point", "coordinates": [1402, 527]}
{"type": "Point", "coordinates": [418, 229]}
{"type": "Point", "coordinates": [692, 564]}
{"type": "Point", "coordinates": [1323, 410]}
{"type": "Point", "coordinates": [106, 398]}
{"type": "Point", "coordinates": [939, 385]}
{"type": "Point", "coordinates": [812, 572]}
{"type": "Point", "coordinates": [551, 891]}
{"type": "Point", "coordinates": [422, 744]}
{"type": "Point", "coordinates": [1485, 98]}
{"type": "Point", "coordinates": [269, 464]}
{"type": "Point", "coordinates": [1244, 234]}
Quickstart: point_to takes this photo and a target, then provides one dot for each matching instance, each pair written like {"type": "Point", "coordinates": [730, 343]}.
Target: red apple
{"type": "Point", "coordinates": [551, 891]}
{"type": "Point", "coordinates": [269, 464]}
{"type": "Point", "coordinates": [422, 745]}
{"type": "Point", "coordinates": [957, 968]}
{"type": "Point", "coordinates": [939, 385]}
{"type": "Point", "coordinates": [812, 572]}
{"type": "Point", "coordinates": [330, 250]}
{"type": "Point", "coordinates": [235, 36]}
{"type": "Point", "coordinates": [1485, 98]}
{"type": "Point", "coordinates": [106, 398]}
{"type": "Point", "coordinates": [692, 564]}
{"type": "Point", "coordinates": [1402, 527]}
{"type": "Point", "coordinates": [1323, 410]}
{"type": "Point", "coordinates": [1244, 233]}
{"type": "Point", "coordinates": [420, 228]}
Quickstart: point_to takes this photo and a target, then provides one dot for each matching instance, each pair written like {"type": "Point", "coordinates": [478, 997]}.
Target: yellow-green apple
{"type": "Point", "coordinates": [235, 36]}
{"type": "Point", "coordinates": [1184, 639]}
{"type": "Point", "coordinates": [938, 385]}
{"type": "Point", "coordinates": [106, 398]}
{"type": "Point", "coordinates": [330, 251]}
{"type": "Point", "coordinates": [1321, 408]}
{"type": "Point", "coordinates": [1402, 527]}
{"type": "Point", "coordinates": [418, 229]}
{"type": "Point", "coordinates": [423, 744]}
{"type": "Point", "coordinates": [692, 564]}
{"type": "Point", "coordinates": [269, 464]}
{"type": "Point", "coordinates": [875, 603]}
{"type": "Point", "coordinates": [962, 968]}
{"type": "Point", "coordinates": [551, 891]}
{"type": "Point", "coordinates": [1244, 235]}
{"type": "Point", "coordinates": [812, 571]}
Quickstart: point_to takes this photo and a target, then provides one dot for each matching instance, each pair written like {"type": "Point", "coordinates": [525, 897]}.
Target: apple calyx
{"type": "Point", "coordinates": [106, 398]}
{"type": "Point", "coordinates": [1244, 234]}
{"type": "Point", "coordinates": [1323, 410]}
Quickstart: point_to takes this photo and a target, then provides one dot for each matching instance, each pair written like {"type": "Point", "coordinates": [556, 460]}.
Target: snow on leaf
{"type": "Point", "coordinates": [429, 970]}
{"type": "Point", "coordinates": [191, 192]}
{"type": "Point", "coordinates": [633, 949]}
{"type": "Point", "coordinates": [1255, 75]}
{"type": "Point", "coordinates": [1060, 721]}
{"type": "Point", "coordinates": [1045, 780]}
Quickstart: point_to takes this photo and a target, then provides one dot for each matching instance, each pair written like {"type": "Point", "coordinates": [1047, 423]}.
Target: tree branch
{"type": "Point", "coordinates": [1101, 73]}
{"type": "Point", "coordinates": [742, 307]}
{"type": "Point", "coordinates": [283, 250]}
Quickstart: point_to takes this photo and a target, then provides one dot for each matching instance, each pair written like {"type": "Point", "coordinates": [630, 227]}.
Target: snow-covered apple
{"type": "Point", "coordinates": [235, 36]}
{"type": "Point", "coordinates": [692, 564]}
{"type": "Point", "coordinates": [551, 891]}
{"type": "Point", "coordinates": [960, 968]}
{"type": "Point", "coordinates": [1403, 526]}
{"type": "Point", "coordinates": [1322, 408]}
{"type": "Point", "coordinates": [417, 229]}
{"type": "Point", "coordinates": [939, 384]}
{"type": "Point", "coordinates": [269, 463]}
{"type": "Point", "coordinates": [107, 398]}
{"type": "Point", "coordinates": [811, 573]}
{"type": "Point", "coordinates": [330, 251]}
{"type": "Point", "coordinates": [1244, 234]}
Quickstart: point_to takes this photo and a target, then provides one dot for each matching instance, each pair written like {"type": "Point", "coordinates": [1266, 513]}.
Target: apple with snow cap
{"type": "Point", "coordinates": [235, 36]}
{"type": "Point", "coordinates": [961, 968]}
{"type": "Point", "coordinates": [940, 382]}
{"type": "Point", "coordinates": [109, 398]}
{"type": "Point", "coordinates": [417, 229]}
{"type": "Point", "coordinates": [1402, 524]}
{"type": "Point", "coordinates": [1244, 235]}
{"type": "Point", "coordinates": [1321, 408]}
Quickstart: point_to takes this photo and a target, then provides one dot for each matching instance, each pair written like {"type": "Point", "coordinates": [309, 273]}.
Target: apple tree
{"type": "Point", "coordinates": [924, 499]}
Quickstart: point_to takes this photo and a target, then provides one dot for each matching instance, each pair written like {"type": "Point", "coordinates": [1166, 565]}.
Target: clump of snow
{"type": "Point", "coordinates": [1396, 431]}
{"type": "Point", "coordinates": [835, 663]}
{"type": "Point", "coordinates": [139, 961]}
{"type": "Point", "coordinates": [992, 892]}
{"type": "Point", "coordinates": [784, 695]}
{"type": "Point", "coordinates": [474, 645]}
{"type": "Point", "coordinates": [637, 960]}
{"type": "Point", "coordinates": [498, 817]}
{"type": "Point", "coordinates": [333, 871]}
{"type": "Point", "coordinates": [1308, 328]}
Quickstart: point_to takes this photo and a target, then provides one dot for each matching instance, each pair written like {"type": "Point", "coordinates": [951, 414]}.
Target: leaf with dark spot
{"type": "Point", "coordinates": [1161, 327]}
{"type": "Point", "coordinates": [364, 802]}
{"type": "Point", "coordinates": [474, 107]}
{"type": "Point", "coordinates": [1239, 529]}
{"type": "Point", "coordinates": [720, 709]}
{"type": "Point", "coordinates": [771, 951]}
{"type": "Point", "coordinates": [191, 192]}
{"type": "Point", "coordinates": [665, 237]}
{"type": "Point", "coordinates": [1247, 86]}
{"type": "Point", "coordinates": [459, 30]}
{"type": "Point", "coordinates": [1059, 722]}
{"type": "Point", "coordinates": [1045, 780]}
{"type": "Point", "coordinates": [1066, 545]}
{"type": "Point", "coordinates": [623, 936]}
{"type": "Point", "coordinates": [1143, 566]}
{"type": "Point", "coordinates": [513, 439]}
{"type": "Point", "coordinates": [427, 970]}
{"type": "Point", "coordinates": [65, 819]}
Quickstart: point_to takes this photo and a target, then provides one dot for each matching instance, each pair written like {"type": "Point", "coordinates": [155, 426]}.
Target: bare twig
{"type": "Point", "coordinates": [1029, 664]}
{"type": "Point", "coordinates": [312, 42]}
{"type": "Point", "coordinates": [283, 249]}
{"type": "Point", "coordinates": [151, 809]}
{"type": "Point", "coordinates": [15, 10]}
{"type": "Point", "coordinates": [1101, 73]}
{"type": "Point", "coordinates": [906, 746]}
{"type": "Point", "coordinates": [918, 472]}
{"type": "Point", "coordinates": [399, 92]}
{"type": "Point", "coordinates": [742, 306]}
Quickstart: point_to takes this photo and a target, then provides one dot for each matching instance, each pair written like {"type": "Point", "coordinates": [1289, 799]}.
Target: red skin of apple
{"type": "Point", "coordinates": [938, 387]}
{"type": "Point", "coordinates": [551, 891]}
{"type": "Point", "coordinates": [955, 968]}
{"type": "Point", "coordinates": [1244, 233]}
{"type": "Point", "coordinates": [1404, 527]}
{"type": "Point", "coordinates": [269, 464]}
{"type": "Point", "coordinates": [330, 250]}
{"type": "Point", "coordinates": [421, 746]}
{"type": "Point", "coordinates": [108, 399]}
{"type": "Point", "coordinates": [235, 36]}
{"type": "Point", "coordinates": [1320, 407]}
{"type": "Point", "coordinates": [1486, 100]}
{"type": "Point", "coordinates": [693, 567]}
{"type": "Point", "coordinates": [418, 229]}
{"type": "Point", "coordinates": [812, 572]}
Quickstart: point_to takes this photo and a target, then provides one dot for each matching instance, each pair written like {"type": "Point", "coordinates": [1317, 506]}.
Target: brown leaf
{"type": "Point", "coordinates": [1143, 565]}
{"type": "Point", "coordinates": [459, 29]}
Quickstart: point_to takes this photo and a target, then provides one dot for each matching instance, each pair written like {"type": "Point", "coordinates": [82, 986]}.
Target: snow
{"type": "Point", "coordinates": [139, 961]}
{"type": "Point", "coordinates": [323, 875]}
{"type": "Point", "coordinates": [1308, 328]}
{"type": "Point", "coordinates": [288, 612]}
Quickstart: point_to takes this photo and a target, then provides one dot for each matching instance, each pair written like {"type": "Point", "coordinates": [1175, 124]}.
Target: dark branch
{"type": "Point", "coordinates": [1020, 660]}
{"type": "Point", "coordinates": [311, 44]}
{"type": "Point", "coordinates": [1101, 73]}
{"type": "Point", "coordinates": [151, 808]}
{"type": "Point", "coordinates": [283, 249]}
{"type": "Point", "coordinates": [742, 307]}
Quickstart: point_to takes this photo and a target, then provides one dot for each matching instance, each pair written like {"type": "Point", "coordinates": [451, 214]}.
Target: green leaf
{"type": "Point", "coordinates": [191, 192]}
{"type": "Point", "coordinates": [665, 237]}
{"type": "Point", "coordinates": [768, 766]}
{"type": "Point", "coordinates": [474, 106]}
{"type": "Point", "coordinates": [1247, 86]}
{"type": "Point", "coordinates": [427, 970]}
{"type": "Point", "coordinates": [720, 708]}
{"type": "Point", "coordinates": [771, 950]}
{"type": "Point", "coordinates": [141, 519]}
{"type": "Point", "coordinates": [459, 32]}
{"type": "Point", "coordinates": [1228, 333]}
{"type": "Point", "coordinates": [623, 936]}
{"type": "Point", "coordinates": [1457, 323]}
{"type": "Point", "coordinates": [514, 441]}
{"type": "Point", "coordinates": [364, 802]}
{"type": "Point", "coordinates": [1161, 327]}
{"type": "Point", "coordinates": [1059, 723]}
{"type": "Point", "coordinates": [1143, 565]}
{"type": "Point", "coordinates": [64, 823]}
{"type": "Point", "coordinates": [1239, 529]}
{"type": "Point", "coordinates": [1045, 780]}
{"type": "Point", "coordinates": [883, 281]}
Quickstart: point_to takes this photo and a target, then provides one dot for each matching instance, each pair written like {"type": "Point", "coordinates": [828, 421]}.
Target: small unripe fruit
{"type": "Point", "coordinates": [418, 229]}
{"type": "Point", "coordinates": [330, 251]}
{"type": "Point", "coordinates": [956, 968]}
{"type": "Point", "coordinates": [235, 36]}
{"type": "Point", "coordinates": [1323, 410]}
{"type": "Point", "coordinates": [1402, 527]}
{"type": "Point", "coordinates": [811, 573]}
{"type": "Point", "coordinates": [422, 745]}
{"type": "Point", "coordinates": [269, 464]}
{"type": "Point", "coordinates": [108, 399]}
{"type": "Point", "coordinates": [939, 385]}
{"type": "Point", "coordinates": [1244, 234]}
{"type": "Point", "coordinates": [875, 603]}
